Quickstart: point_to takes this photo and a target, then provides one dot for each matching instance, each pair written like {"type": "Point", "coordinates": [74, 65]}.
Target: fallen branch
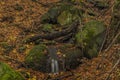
{"type": "Point", "coordinates": [71, 28]}
{"type": "Point", "coordinates": [64, 38]}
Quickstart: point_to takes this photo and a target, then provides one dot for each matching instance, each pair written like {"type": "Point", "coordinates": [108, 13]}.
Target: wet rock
{"type": "Point", "coordinates": [36, 59]}
{"type": "Point", "coordinates": [52, 60]}
{"type": "Point", "coordinates": [7, 73]}
{"type": "Point", "coordinates": [72, 56]}
{"type": "Point", "coordinates": [91, 37]}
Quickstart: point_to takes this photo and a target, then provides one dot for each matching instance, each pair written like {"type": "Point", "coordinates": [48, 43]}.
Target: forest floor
{"type": "Point", "coordinates": [16, 16]}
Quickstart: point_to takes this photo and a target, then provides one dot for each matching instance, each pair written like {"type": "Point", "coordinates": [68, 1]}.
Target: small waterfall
{"type": "Point", "coordinates": [54, 66]}
{"type": "Point", "coordinates": [53, 60]}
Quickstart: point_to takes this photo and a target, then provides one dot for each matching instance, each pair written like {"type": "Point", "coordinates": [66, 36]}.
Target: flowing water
{"type": "Point", "coordinates": [53, 59]}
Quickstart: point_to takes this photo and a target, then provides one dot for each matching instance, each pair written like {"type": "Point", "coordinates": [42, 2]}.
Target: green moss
{"type": "Point", "coordinates": [61, 13]}
{"type": "Point", "coordinates": [90, 30]}
{"type": "Point", "coordinates": [36, 58]}
{"type": "Point", "coordinates": [68, 15]}
{"type": "Point", "coordinates": [65, 18]}
{"type": "Point", "coordinates": [48, 27]}
{"type": "Point", "coordinates": [7, 73]}
{"type": "Point", "coordinates": [91, 34]}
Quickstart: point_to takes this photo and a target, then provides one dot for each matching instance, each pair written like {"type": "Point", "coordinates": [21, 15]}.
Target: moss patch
{"type": "Point", "coordinates": [6, 73]}
{"type": "Point", "coordinates": [36, 58]}
{"type": "Point", "coordinates": [47, 27]}
{"type": "Point", "coordinates": [91, 34]}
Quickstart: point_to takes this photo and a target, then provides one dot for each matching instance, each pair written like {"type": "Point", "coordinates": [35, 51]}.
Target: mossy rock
{"type": "Point", "coordinates": [67, 17]}
{"type": "Point", "coordinates": [91, 34]}
{"type": "Point", "coordinates": [50, 16]}
{"type": "Point", "coordinates": [91, 51]}
{"type": "Point", "coordinates": [7, 73]}
{"type": "Point", "coordinates": [89, 31]}
{"type": "Point", "coordinates": [36, 59]}
{"type": "Point", "coordinates": [61, 12]}
{"type": "Point", "coordinates": [73, 58]}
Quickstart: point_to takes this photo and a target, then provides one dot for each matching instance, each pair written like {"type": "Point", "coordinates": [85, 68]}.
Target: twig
{"type": "Point", "coordinates": [107, 78]}
{"type": "Point", "coordinates": [103, 41]}
{"type": "Point", "coordinates": [106, 33]}
{"type": "Point", "coordinates": [112, 5]}
{"type": "Point", "coordinates": [113, 41]}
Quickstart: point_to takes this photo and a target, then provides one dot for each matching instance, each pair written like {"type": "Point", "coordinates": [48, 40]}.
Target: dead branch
{"type": "Point", "coordinates": [71, 28]}
{"type": "Point", "coordinates": [113, 41]}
